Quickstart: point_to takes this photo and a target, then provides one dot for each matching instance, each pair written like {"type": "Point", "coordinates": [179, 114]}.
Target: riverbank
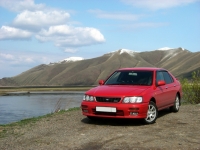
{"type": "Point", "coordinates": [41, 89]}
{"type": "Point", "coordinates": [42, 93]}
{"type": "Point", "coordinates": [72, 130]}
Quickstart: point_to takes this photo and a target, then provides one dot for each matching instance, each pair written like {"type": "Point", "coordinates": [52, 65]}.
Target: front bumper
{"type": "Point", "coordinates": [122, 110]}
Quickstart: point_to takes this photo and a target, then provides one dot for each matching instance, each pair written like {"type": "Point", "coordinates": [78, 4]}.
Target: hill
{"type": "Point", "coordinates": [179, 62]}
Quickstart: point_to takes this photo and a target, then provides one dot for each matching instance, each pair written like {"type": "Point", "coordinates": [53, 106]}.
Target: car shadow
{"type": "Point", "coordinates": [121, 122]}
{"type": "Point", "coordinates": [113, 121]}
{"type": "Point", "coordinates": [164, 112]}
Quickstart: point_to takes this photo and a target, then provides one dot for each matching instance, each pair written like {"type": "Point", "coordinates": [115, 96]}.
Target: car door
{"type": "Point", "coordinates": [170, 88]}
{"type": "Point", "coordinates": [161, 92]}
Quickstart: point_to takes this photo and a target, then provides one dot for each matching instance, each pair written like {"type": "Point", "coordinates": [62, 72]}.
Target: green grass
{"type": "Point", "coordinates": [191, 89]}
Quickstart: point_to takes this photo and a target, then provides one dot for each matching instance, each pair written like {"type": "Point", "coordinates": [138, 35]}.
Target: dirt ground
{"type": "Point", "coordinates": [72, 130]}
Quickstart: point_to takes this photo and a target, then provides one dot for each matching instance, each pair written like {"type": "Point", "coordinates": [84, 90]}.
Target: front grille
{"type": "Point", "coordinates": [108, 99]}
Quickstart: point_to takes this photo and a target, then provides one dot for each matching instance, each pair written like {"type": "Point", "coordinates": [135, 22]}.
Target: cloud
{"type": "Point", "coordinates": [157, 4]}
{"type": "Point", "coordinates": [6, 56]}
{"type": "Point", "coordinates": [11, 33]}
{"type": "Point", "coordinates": [16, 59]}
{"type": "Point", "coordinates": [22, 59]}
{"type": "Point", "coordinates": [65, 36]}
{"type": "Point", "coordinates": [39, 19]}
{"type": "Point", "coordinates": [21, 5]}
{"type": "Point", "coordinates": [15, 63]}
{"type": "Point", "coordinates": [47, 25]}
{"type": "Point", "coordinates": [115, 15]}
{"type": "Point", "coordinates": [143, 25]}
{"type": "Point", "coordinates": [70, 50]}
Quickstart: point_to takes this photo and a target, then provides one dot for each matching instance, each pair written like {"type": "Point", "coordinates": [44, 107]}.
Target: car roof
{"type": "Point", "coordinates": [142, 68]}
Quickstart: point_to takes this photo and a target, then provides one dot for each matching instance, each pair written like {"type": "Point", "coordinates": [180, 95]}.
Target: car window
{"type": "Point", "coordinates": [159, 76]}
{"type": "Point", "coordinates": [131, 78]}
{"type": "Point", "coordinates": [113, 78]}
{"type": "Point", "coordinates": [168, 78]}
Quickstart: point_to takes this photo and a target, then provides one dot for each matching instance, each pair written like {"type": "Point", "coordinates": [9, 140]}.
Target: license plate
{"type": "Point", "coordinates": [106, 109]}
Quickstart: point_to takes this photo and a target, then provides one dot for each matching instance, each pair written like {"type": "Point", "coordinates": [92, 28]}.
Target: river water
{"type": "Point", "coordinates": [22, 106]}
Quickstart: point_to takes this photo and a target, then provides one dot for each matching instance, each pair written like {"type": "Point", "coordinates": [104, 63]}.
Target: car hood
{"type": "Point", "coordinates": [117, 90]}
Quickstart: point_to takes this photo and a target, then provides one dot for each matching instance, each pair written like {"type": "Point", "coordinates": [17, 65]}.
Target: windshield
{"type": "Point", "coordinates": [130, 77]}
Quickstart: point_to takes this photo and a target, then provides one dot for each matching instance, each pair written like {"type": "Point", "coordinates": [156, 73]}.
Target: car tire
{"type": "Point", "coordinates": [176, 106]}
{"type": "Point", "coordinates": [152, 113]}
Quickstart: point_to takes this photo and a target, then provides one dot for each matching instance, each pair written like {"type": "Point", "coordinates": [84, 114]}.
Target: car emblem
{"type": "Point", "coordinates": [107, 99]}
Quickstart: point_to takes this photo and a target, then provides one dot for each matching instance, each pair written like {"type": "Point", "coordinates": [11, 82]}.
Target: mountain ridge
{"type": "Point", "coordinates": [179, 61]}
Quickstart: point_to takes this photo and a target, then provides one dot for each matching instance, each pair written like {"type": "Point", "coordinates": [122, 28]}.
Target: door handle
{"type": "Point", "coordinates": [166, 87]}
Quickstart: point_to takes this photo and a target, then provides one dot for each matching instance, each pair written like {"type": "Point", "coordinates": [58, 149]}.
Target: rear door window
{"type": "Point", "coordinates": [159, 76]}
{"type": "Point", "coordinates": [167, 77]}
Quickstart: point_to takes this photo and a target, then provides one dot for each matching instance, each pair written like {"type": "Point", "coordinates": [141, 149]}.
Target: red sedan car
{"type": "Point", "coordinates": [133, 93]}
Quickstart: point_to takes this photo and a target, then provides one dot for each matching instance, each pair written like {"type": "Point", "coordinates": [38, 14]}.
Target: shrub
{"type": "Point", "coordinates": [191, 88]}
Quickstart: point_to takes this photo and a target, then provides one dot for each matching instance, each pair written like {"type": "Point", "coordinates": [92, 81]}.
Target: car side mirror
{"type": "Point", "coordinates": [161, 82]}
{"type": "Point", "coordinates": [101, 82]}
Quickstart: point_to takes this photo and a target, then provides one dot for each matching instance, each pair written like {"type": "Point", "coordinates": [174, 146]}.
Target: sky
{"type": "Point", "coordinates": [34, 32]}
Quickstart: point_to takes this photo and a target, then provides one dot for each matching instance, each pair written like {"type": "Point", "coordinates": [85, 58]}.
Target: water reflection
{"type": "Point", "coordinates": [15, 108]}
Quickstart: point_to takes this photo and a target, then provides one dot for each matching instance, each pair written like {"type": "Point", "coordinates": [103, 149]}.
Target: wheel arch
{"type": "Point", "coordinates": [179, 96]}
{"type": "Point", "coordinates": [153, 100]}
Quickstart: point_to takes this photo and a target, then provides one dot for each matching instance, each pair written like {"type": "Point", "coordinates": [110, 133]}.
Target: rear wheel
{"type": "Point", "coordinates": [176, 106]}
{"type": "Point", "coordinates": [152, 113]}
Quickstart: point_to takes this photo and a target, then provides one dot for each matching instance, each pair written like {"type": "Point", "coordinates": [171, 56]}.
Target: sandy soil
{"type": "Point", "coordinates": [72, 130]}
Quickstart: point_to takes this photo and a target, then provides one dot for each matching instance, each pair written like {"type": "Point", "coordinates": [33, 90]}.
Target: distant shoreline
{"type": "Point", "coordinates": [4, 91]}
{"type": "Point", "coordinates": [47, 86]}
{"type": "Point", "coordinates": [42, 93]}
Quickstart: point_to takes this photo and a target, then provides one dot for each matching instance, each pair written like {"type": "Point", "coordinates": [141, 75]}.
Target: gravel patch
{"type": "Point", "coordinates": [72, 130]}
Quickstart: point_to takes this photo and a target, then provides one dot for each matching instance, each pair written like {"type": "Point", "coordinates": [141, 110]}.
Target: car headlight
{"type": "Point", "coordinates": [132, 100]}
{"type": "Point", "coordinates": [88, 98]}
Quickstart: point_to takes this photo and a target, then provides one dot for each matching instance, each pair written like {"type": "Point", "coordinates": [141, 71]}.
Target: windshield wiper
{"type": "Point", "coordinates": [119, 84]}
{"type": "Point", "coordinates": [143, 84]}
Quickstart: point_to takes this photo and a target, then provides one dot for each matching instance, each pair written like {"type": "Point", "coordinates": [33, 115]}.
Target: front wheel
{"type": "Point", "coordinates": [152, 113]}
{"type": "Point", "coordinates": [176, 106]}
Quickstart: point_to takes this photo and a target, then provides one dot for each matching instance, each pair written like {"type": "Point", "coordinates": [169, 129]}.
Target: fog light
{"type": "Point", "coordinates": [133, 113]}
